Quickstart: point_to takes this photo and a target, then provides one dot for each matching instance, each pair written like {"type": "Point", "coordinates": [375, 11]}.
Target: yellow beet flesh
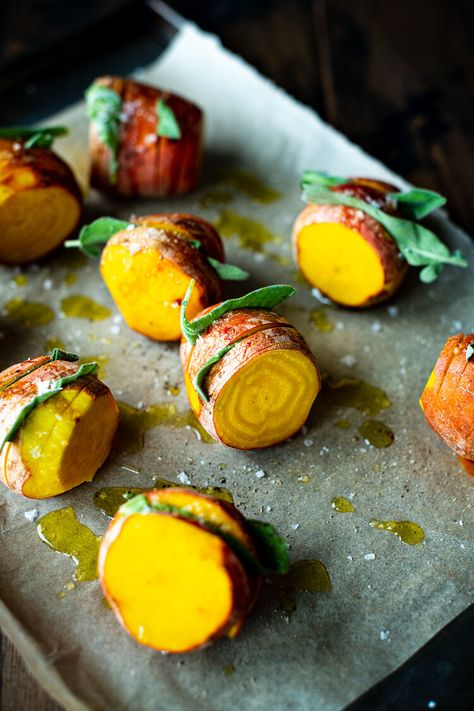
{"type": "Point", "coordinates": [34, 221]}
{"type": "Point", "coordinates": [168, 580]}
{"type": "Point", "coordinates": [340, 263]}
{"type": "Point", "coordinates": [267, 400]}
{"type": "Point", "coordinates": [65, 440]}
{"type": "Point", "coordinates": [148, 290]}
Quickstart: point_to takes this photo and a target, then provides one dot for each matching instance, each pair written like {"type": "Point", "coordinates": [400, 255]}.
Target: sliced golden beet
{"type": "Point", "coordinates": [260, 390]}
{"type": "Point", "coordinates": [40, 202]}
{"type": "Point", "coordinates": [266, 400]}
{"type": "Point", "coordinates": [148, 290]}
{"type": "Point", "coordinates": [148, 164]}
{"type": "Point", "coordinates": [345, 253]}
{"type": "Point", "coordinates": [67, 439]}
{"type": "Point", "coordinates": [209, 510]}
{"type": "Point", "coordinates": [34, 222]}
{"type": "Point", "coordinates": [174, 585]}
{"type": "Point", "coordinates": [148, 271]}
{"type": "Point", "coordinates": [63, 440]}
{"type": "Point", "coordinates": [340, 263]}
{"type": "Point", "coordinates": [447, 400]}
{"type": "Point", "coordinates": [191, 227]}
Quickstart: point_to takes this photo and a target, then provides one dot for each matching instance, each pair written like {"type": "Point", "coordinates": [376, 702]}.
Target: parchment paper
{"type": "Point", "coordinates": [382, 606]}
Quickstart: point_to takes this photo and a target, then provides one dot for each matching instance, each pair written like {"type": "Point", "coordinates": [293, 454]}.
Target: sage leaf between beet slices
{"type": "Point", "coordinates": [104, 108]}
{"type": "Point", "coordinates": [267, 540]}
{"type": "Point", "coordinates": [267, 297]}
{"type": "Point", "coordinates": [315, 177]}
{"type": "Point", "coordinates": [57, 354]}
{"type": "Point", "coordinates": [271, 548]}
{"type": "Point", "coordinates": [41, 137]}
{"type": "Point", "coordinates": [204, 370]}
{"type": "Point", "coordinates": [53, 388]}
{"type": "Point", "coordinates": [417, 203]}
{"type": "Point", "coordinates": [418, 245]}
{"type": "Point", "coordinates": [167, 125]}
{"type": "Point", "coordinates": [226, 272]}
{"type": "Point", "coordinates": [97, 233]}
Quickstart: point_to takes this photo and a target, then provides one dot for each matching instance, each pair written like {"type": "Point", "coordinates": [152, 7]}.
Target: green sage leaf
{"type": "Point", "coordinates": [54, 387]}
{"type": "Point", "coordinates": [58, 354]}
{"type": "Point", "coordinates": [97, 232]}
{"type": "Point", "coordinates": [470, 352]}
{"type": "Point", "coordinates": [202, 372]}
{"type": "Point", "coordinates": [104, 107]}
{"type": "Point", "coordinates": [418, 245]}
{"type": "Point", "coordinates": [314, 177]}
{"type": "Point", "coordinates": [228, 272]}
{"type": "Point", "coordinates": [271, 548]}
{"type": "Point", "coordinates": [167, 126]}
{"type": "Point", "coordinates": [268, 297]}
{"type": "Point", "coordinates": [417, 203]}
{"type": "Point", "coordinates": [41, 137]}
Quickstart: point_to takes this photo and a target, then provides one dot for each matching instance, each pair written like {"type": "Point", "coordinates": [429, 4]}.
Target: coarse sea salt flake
{"type": "Point", "coordinates": [369, 556]}
{"type": "Point", "coordinates": [348, 360]}
{"type": "Point", "coordinates": [183, 478]}
{"type": "Point", "coordinates": [260, 474]}
{"type": "Point", "coordinates": [32, 515]}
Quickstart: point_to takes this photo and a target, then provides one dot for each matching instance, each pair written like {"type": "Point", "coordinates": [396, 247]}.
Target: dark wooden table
{"type": "Point", "coordinates": [395, 77]}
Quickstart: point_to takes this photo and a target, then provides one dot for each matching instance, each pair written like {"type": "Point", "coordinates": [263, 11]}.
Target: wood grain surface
{"type": "Point", "coordinates": [396, 78]}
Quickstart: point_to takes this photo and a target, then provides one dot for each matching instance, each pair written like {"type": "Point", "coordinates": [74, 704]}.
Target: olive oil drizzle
{"type": "Point", "coordinates": [249, 185]}
{"type": "Point", "coordinates": [304, 576]}
{"type": "Point", "coordinates": [252, 235]}
{"type": "Point", "coordinates": [359, 395]}
{"type": "Point", "coordinates": [407, 531]}
{"type": "Point", "coordinates": [29, 314]}
{"type": "Point", "coordinates": [320, 319]}
{"type": "Point", "coordinates": [376, 433]}
{"type": "Point", "coordinates": [135, 422]}
{"type": "Point", "coordinates": [78, 306]}
{"type": "Point", "coordinates": [342, 505]}
{"type": "Point", "coordinates": [62, 532]}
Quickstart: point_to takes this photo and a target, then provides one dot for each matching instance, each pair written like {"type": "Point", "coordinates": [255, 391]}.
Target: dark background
{"type": "Point", "coordinates": [395, 77]}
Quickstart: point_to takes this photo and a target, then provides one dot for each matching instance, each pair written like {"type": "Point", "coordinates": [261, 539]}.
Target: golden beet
{"type": "Point", "coordinates": [147, 270]}
{"type": "Point", "coordinates": [448, 398]}
{"type": "Point", "coordinates": [171, 573]}
{"type": "Point", "coordinates": [346, 254]}
{"type": "Point", "coordinates": [128, 156]}
{"type": "Point", "coordinates": [261, 391]}
{"type": "Point", "coordinates": [64, 440]}
{"type": "Point", "coordinates": [40, 202]}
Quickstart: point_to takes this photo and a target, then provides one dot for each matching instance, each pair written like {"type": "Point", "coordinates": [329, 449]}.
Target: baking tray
{"type": "Point", "coordinates": [387, 598]}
